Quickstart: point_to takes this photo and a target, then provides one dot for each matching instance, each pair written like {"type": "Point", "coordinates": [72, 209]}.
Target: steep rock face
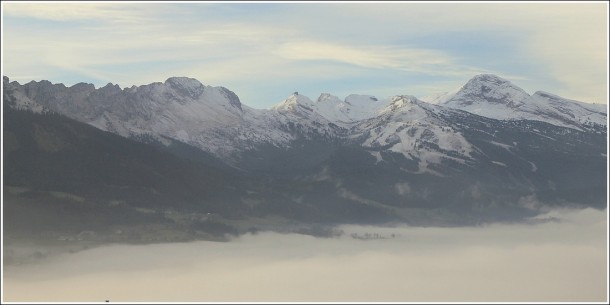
{"type": "Point", "coordinates": [16, 99]}
{"type": "Point", "coordinates": [186, 87]}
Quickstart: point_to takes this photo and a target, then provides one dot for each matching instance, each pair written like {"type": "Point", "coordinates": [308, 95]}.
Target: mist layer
{"type": "Point", "coordinates": [563, 258]}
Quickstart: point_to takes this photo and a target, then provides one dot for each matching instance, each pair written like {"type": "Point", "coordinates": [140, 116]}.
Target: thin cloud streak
{"type": "Point", "coordinates": [421, 61]}
{"type": "Point", "coordinates": [125, 14]}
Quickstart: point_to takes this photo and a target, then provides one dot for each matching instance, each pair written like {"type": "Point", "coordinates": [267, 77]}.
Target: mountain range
{"type": "Point", "coordinates": [486, 152]}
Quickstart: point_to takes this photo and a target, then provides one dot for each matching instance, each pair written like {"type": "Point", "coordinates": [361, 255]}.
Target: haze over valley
{"type": "Point", "coordinates": [558, 261]}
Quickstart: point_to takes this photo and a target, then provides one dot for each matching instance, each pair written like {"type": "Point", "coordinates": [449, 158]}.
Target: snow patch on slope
{"type": "Point", "coordinates": [416, 130]}
{"type": "Point", "coordinates": [559, 111]}
{"type": "Point", "coordinates": [343, 113]}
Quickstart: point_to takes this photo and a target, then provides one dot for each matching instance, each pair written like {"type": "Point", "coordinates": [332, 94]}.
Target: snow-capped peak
{"type": "Point", "coordinates": [486, 89]}
{"type": "Point", "coordinates": [487, 95]}
{"type": "Point", "coordinates": [490, 79]}
{"type": "Point", "coordinates": [400, 101]}
{"type": "Point", "coordinates": [488, 86]}
{"type": "Point", "coordinates": [494, 97]}
{"type": "Point", "coordinates": [294, 102]}
{"type": "Point", "coordinates": [363, 101]}
{"type": "Point", "coordinates": [355, 107]}
{"type": "Point", "coordinates": [543, 106]}
{"type": "Point", "coordinates": [328, 99]}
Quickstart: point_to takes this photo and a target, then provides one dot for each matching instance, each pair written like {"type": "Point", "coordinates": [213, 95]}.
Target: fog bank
{"type": "Point", "coordinates": [560, 260]}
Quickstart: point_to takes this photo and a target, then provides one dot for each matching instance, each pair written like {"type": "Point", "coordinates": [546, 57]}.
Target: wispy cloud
{"type": "Point", "coordinates": [389, 57]}
{"type": "Point", "coordinates": [104, 12]}
{"type": "Point", "coordinates": [370, 57]}
{"type": "Point", "coordinates": [559, 48]}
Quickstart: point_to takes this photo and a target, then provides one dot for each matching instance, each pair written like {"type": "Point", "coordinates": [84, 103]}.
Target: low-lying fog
{"type": "Point", "coordinates": [563, 260]}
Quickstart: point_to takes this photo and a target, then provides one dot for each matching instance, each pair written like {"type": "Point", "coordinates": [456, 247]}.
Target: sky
{"type": "Point", "coordinates": [564, 260]}
{"type": "Point", "coordinates": [265, 51]}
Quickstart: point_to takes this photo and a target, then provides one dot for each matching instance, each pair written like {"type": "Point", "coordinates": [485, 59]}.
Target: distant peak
{"type": "Point", "coordinates": [489, 78]}
{"type": "Point", "coordinates": [110, 88]}
{"type": "Point", "coordinates": [42, 82]}
{"type": "Point", "coordinates": [490, 81]}
{"type": "Point", "coordinates": [183, 81]}
{"type": "Point", "coordinates": [186, 86]}
{"type": "Point", "coordinates": [291, 102]}
{"type": "Point", "coordinates": [402, 100]}
{"type": "Point", "coordinates": [327, 97]}
{"type": "Point", "coordinates": [360, 98]}
{"type": "Point", "coordinates": [84, 86]}
{"type": "Point", "coordinates": [299, 98]}
{"type": "Point", "coordinates": [488, 88]}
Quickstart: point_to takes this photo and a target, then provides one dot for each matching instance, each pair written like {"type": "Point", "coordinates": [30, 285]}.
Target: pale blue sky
{"type": "Point", "coordinates": [265, 51]}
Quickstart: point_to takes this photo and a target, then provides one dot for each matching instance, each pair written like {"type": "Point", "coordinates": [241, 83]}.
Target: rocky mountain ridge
{"type": "Point", "coordinates": [185, 148]}
{"type": "Point", "coordinates": [214, 120]}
